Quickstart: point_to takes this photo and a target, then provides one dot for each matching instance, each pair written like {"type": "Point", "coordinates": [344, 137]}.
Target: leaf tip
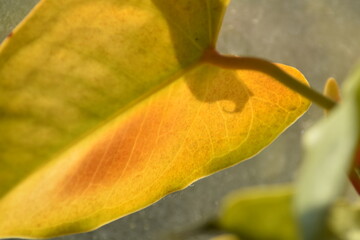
{"type": "Point", "coordinates": [332, 90]}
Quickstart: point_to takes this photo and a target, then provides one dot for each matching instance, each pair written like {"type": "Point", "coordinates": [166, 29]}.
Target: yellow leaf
{"type": "Point", "coordinates": [106, 107]}
{"type": "Point", "coordinates": [332, 90]}
{"type": "Point", "coordinates": [90, 61]}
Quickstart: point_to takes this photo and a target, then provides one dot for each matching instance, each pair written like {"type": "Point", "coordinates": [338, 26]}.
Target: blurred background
{"type": "Point", "coordinates": [321, 38]}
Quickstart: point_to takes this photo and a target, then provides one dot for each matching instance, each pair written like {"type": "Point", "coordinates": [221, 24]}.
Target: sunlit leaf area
{"type": "Point", "coordinates": [112, 120]}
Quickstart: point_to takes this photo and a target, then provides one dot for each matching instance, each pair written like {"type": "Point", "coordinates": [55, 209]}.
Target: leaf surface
{"type": "Point", "coordinates": [330, 149]}
{"type": "Point", "coordinates": [260, 214]}
{"type": "Point", "coordinates": [343, 220]}
{"type": "Point", "coordinates": [90, 61]}
{"type": "Point", "coordinates": [108, 107]}
{"type": "Point", "coordinates": [267, 213]}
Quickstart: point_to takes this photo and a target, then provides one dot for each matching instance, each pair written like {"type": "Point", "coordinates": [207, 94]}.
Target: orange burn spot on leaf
{"type": "Point", "coordinates": [114, 157]}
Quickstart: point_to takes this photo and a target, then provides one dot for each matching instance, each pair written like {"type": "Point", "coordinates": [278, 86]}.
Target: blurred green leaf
{"type": "Point", "coordinates": [344, 220]}
{"type": "Point", "coordinates": [329, 150]}
{"type": "Point", "coordinates": [257, 214]}
{"type": "Point", "coordinates": [267, 214]}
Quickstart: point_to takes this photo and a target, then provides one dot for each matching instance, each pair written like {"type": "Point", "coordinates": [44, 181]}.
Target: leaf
{"type": "Point", "coordinates": [330, 148]}
{"type": "Point", "coordinates": [104, 60]}
{"type": "Point", "coordinates": [344, 220]}
{"type": "Point", "coordinates": [267, 213]}
{"type": "Point", "coordinates": [332, 90]}
{"type": "Point", "coordinates": [108, 107]}
{"type": "Point", "coordinates": [354, 174]}
{"type": "Point", "coordinates": [260, 213]}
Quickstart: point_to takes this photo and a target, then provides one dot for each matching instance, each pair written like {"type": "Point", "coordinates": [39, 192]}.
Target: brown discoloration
{"type": "Point", "coordinates": [114, 157]}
